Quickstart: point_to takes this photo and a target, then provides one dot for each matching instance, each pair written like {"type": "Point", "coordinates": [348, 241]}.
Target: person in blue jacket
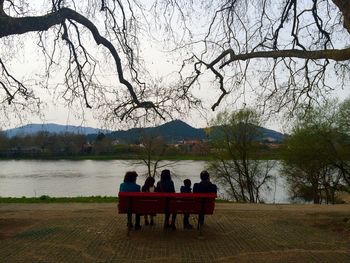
{"type": "Point", "coordinates": [129, 185]}
{"type": "Point", "coordinates": [166, 185]}
{"type": "Point", "coordinates": [205, 186]}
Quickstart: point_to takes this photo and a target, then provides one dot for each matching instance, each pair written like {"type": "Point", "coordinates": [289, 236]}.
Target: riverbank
{"type": "Point", "coordinates": [77, 232]}
{"type": "Point", "coordinates": [45, 199]}
{"type": "Point", "coordinates": [274, 154]}
{"type": "Point", "coordinates": [109, 157]}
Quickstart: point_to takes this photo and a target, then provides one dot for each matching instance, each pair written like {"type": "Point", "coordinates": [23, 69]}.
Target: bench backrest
{"type": "Point", "coordinates": [152, 203]}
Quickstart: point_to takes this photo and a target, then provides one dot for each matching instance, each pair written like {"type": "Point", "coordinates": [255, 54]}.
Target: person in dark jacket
{"type": "Point", "coordinates": [149, 187]}
{"type": "Point", "coordinates": [166, 185]}
{"type": "Point", "coordinates": [129, 185]}
{"type": "Point", "coordinates": [205, 186]}
{"type": "Point", "coordinates": [186, 188]}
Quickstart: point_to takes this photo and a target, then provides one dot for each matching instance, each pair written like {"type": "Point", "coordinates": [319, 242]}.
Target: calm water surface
{"type": "Point", "coordinates": [85, 178]}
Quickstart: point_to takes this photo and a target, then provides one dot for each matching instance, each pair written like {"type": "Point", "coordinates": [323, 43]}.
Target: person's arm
{"type": "Point", "coordinates": [121, 187]}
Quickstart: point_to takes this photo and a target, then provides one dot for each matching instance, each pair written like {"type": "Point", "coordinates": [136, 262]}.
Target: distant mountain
{"type": "Point", "coordinates": [175, 131]}
{"type": "Point", "coordinates": [178, 130]}
{"type": "Point", "coordinates": [51, 128]}
{"type": "Point", "coordinates": [271, 135]}
{"type": "Point", "coordinates": [172, 132]}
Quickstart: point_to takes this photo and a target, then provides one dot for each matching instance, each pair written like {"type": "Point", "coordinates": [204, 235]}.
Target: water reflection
{"type": "Point", "coordinates": [85, 178]}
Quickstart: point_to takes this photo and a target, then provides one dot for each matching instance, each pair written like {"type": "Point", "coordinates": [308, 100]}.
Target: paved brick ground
{"type": "Point", "coordinates": [235, 233]}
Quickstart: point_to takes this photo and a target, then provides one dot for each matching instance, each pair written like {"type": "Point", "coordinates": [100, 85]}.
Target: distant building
{"type": "Point", "coordinates": [115, 142]}
{"type": "Point", "coordinates": [271, 143]}
{"type": "Point", "coordinates": [269, 140]}
{"type": "Point", "coordinates": [191, 142]}
{"type": "Point", "coordinates": [193, 146]}
{"type": "Point", "coordinates": [86, 148]}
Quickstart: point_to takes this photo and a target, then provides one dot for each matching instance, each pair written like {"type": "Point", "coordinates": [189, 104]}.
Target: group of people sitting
{"type": "Point", "coordinates": [165, 185]}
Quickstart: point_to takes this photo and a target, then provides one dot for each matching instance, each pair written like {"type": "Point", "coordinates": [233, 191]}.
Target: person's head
{"type": "Point", "coordinates": [130, 177]}
{"type": "Point", "coordinates": [165, 175]}
{"type": "Point", "coordinates": [204, 176]}
{"type": "Point", "coordinates": [187, 182]}
{"type": "Point", "coordinates": [149, 182]}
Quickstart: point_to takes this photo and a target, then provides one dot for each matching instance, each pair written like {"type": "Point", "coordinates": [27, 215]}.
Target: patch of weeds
{"type": "Point", "coordinates": [44, 197]}
{"type": "Point", "coordinates": [49, 199]}
{"type": "Point", "coordinates": [339, 224]}
{"type": "Point", "coordinates": [35, 233]}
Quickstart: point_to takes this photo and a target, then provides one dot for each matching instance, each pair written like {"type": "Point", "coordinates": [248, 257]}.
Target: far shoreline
{"type": "Point", "coordinates": [107, 157]}
{"type": "Point", "coordinates": [45, 199]}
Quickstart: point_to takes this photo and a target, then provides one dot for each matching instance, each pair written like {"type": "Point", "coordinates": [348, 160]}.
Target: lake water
{"type": "Point", "coordinates": [33, 178]}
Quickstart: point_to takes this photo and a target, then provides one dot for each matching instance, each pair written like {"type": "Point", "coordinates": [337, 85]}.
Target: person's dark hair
{"type": "Point", "coordinates": [130, 177]}
{"type": "Point", "coordinates": [187, 182]}
{"type": "Point", "coordinates": [165, 175]}
{"type": "Point", "coordinates": [204, 175]}
{"type": "Point", "coordinates": [148, 183]}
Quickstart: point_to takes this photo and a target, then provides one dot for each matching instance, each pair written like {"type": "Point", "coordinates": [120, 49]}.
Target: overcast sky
{"type": "Point", "coordinates": [159, 62]}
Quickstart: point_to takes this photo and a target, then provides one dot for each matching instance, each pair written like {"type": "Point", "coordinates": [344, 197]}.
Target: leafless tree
{"type": "Point", "coordinates": [234, 147]}
{"type": "Point", "coordinates": [68, 33]}
{"type": "Point", "coordinates": [289, 53]}
{"type": "Point", "coordinates": [152, 153]}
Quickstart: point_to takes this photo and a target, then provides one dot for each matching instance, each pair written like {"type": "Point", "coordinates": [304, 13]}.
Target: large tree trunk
{"type": "Point", "coordinates": [344, 7]}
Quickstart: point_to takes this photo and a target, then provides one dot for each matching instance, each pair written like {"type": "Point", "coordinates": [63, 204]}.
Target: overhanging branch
{"type": "Point", "coordinates": [344, 7]}
{"type": "Point", "coordinates": [331, 54]}
{"type": "Point", "coordinates": [21, 25]}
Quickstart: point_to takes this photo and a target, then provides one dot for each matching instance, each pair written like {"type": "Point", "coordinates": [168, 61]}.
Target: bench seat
{"type": "Point", "coordinates": [158, 203]}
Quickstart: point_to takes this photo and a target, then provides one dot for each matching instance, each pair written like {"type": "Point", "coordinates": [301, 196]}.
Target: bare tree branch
{"type": "Point", "coordinates": [334, 54]}
{"type": "Point", "coordinates": [21, 25]}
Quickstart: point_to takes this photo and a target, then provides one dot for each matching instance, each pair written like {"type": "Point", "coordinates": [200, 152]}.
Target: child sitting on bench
{"type": "Point", "coordinates": [186, 188]}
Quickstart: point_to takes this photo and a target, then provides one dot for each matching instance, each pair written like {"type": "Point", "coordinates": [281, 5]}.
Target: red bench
{"type": "Point", "coordinates": [161, 203]}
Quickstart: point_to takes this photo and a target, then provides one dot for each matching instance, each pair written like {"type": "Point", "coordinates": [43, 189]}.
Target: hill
{"type": "Point", "coordinates": [31, 129]}
{"type": "Point", "coordinates": [172, 132]}
{"type": "Point", "coordinates": [177, 130]}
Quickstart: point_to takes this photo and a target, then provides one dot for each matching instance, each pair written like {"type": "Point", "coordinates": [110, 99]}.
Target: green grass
{"type": "Point", "coordinates": [38, 233]}
{"type": "Point", "coordinates": [48, 199]}
{"type": "Point", "coordinates": [79, 199]}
